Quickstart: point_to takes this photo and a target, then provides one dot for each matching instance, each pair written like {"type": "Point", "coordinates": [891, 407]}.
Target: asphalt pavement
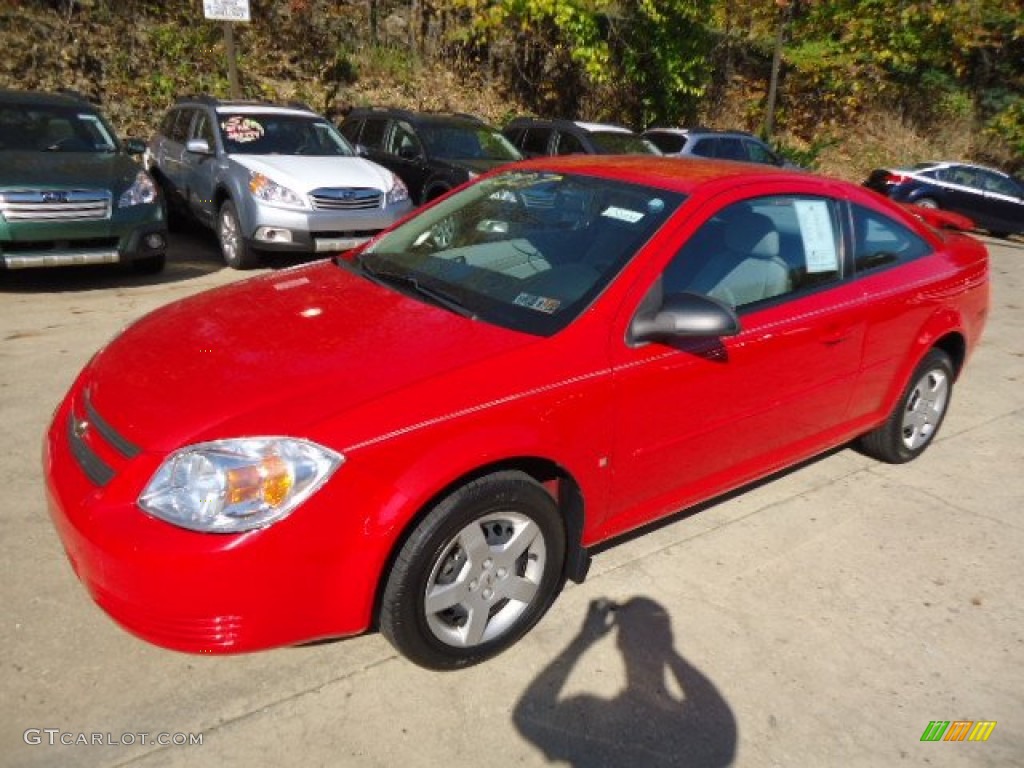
{"type": "Point", "coordinates": [823, 618]}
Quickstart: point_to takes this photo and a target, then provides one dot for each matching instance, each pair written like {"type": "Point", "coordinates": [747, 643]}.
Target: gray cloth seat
{"type": "Point", "coordinates": [747, 267]}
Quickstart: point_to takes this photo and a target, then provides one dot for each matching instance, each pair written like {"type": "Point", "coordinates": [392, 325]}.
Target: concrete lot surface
{"type": "Point", "coordinates": [823, 618]}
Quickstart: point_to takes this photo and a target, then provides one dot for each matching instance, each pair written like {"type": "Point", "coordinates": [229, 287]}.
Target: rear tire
{"type": "Point", "coordinates": [916, 419]}
{"type": "Point", "coordinates": [476, 574]}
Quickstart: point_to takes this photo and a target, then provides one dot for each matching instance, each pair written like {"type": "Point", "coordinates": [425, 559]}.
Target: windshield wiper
{"type": "Point", "coordinates": [438, 297]}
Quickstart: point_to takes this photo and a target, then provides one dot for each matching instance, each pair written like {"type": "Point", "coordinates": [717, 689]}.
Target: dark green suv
{"type": "Point", "coordinates": [70, 191]}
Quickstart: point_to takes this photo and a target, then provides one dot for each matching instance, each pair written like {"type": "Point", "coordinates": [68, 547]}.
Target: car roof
{"type": "Point", "coordinates": [700, 132]}
{"type": "Point", "coordinates": [412, 116]}
{"type": "Point", "coordinates": [928, 165]}
{"type": "Point", "coordinates": [673, 173]}
{"type": "Point", "coordinates": [601, 127]}
{"type": "Point", "coordinates": [558, 122]}
{"type": "Point", "coordinates": [63, 99]}
{"type": "Point", "coordinates": [244, 105]}
{"type": "Point", "coordinates": [262, 109]}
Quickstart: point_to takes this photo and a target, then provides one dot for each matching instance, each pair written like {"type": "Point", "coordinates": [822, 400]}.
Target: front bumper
{"type": "Point", "coordinates": [305, 578]}
{"type": "Point", "coordinates": [311, 231]}
{"type": "Point", "coordinates": [139, 235]}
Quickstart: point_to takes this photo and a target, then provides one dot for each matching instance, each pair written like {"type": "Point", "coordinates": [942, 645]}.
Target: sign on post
{"type": "Point", "coordinates": [226, 10]}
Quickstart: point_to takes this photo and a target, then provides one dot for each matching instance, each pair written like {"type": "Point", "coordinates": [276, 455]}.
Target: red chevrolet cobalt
{"type": "Point", "coordinates": [429, 434]}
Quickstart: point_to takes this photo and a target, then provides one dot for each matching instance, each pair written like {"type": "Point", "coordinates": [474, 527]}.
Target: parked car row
{"type": "Point", "coordinates": [268, 177]}
{"type": "Point", "coordinates": [263, 177]}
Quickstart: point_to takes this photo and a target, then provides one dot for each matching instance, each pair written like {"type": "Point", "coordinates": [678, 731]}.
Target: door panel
{"type": "Point", "coordinates": [698, 417]}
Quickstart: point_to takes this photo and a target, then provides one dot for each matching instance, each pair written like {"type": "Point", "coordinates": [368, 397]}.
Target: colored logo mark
{"type": "Point", "coordinates": [958, 730]}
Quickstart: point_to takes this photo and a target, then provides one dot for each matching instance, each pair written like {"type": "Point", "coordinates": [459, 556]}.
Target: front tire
{"type": "Point", "coordinates": [912, 425]}
{"type": "Point", "coordinates": [476, 574]}
{"type": "Point", "coordinates": [237, 253]}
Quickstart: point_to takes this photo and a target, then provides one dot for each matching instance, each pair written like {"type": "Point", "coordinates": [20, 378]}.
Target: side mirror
{"type": "Point", "coordinates": [134, 146]}
{"type": "Point", "coordinates": [684, 315]}
{"type": "Point", "coordinates": [409, 153]}
{"type": "Point", "coordinates": [361, 150]}
{"type": "Point", "coordinates": [198, 147]}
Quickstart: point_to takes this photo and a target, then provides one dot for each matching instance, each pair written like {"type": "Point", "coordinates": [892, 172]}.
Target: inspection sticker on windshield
{"type": "Point", "coordinates": [622, 214]}
{"type": "Point", "coordinates": [241, 129]}
{"type": "Point", "coordinates": [538, 303]}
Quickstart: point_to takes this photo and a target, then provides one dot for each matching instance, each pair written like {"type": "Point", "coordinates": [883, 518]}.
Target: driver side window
{"type": "Point", "coordinates": [760, 249]}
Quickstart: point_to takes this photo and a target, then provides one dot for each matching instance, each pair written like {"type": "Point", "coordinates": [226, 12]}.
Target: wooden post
{"type": "Point", "coordinates": [229, 46]}
{"type": "Point", "coordinates": [776, 62]}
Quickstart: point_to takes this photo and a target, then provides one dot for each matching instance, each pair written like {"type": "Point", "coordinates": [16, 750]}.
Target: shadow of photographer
{"type": "Point", "coordinates": [668, 714]}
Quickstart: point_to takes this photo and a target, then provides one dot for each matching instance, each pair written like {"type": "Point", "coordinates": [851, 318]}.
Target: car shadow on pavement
{"type": "Point", "coordinates": [668, 713]}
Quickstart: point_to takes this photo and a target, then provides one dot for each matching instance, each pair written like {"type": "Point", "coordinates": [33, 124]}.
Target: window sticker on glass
{"type": "Point", "coordinates": [820, 251]}
{"type": "Point", "coordinates": [622, 214]}
{"type": "Point", "coordinates": [538, 303]}
{"type": "Point", "coordinates": [242, 129]}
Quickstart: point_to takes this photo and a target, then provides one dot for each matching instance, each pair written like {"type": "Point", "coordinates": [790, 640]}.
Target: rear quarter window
{"type": "Point", "coordinates": [879, 241]}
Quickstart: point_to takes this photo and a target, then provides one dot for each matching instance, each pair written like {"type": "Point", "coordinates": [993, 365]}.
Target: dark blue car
{"type": "Point", "coordinates": [993, 200]}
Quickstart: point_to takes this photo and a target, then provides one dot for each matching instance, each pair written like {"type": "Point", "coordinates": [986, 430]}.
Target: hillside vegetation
{"type": "Point", "coordinates": [861, 83]}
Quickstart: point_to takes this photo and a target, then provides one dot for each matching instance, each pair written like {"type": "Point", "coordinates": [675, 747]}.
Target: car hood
{"type": "Point", "coordinates": [57, 170]}
{"type": "Point", "coordinates": [303, 173]}
{"type": "Point", "coordinates": [278, 354]}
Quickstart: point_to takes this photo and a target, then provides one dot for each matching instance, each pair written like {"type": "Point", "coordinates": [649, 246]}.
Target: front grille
{"type": "Point", "coordinates": [347, 199]}
{"type": "Point", "coordinates": [40, 205]}
{"type": "Point", "coordinates": [86, 426]}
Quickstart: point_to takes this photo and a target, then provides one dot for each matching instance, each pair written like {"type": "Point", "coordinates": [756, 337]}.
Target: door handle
{"type": "Point", "coordinates": [835, 334]}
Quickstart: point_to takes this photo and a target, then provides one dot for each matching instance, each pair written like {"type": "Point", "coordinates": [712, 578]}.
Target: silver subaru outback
{"type": "Point", "coordinates": [270, 178]}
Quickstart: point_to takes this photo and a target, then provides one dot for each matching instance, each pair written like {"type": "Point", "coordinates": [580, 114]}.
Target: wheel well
{"type": "Point", "coordinates": [219, 197]}
{"type": "Point", "coordinates": [555, 479]}
{"type": "Point", "coordinates": [433, 191]}
{"type": "Point", "coordinates": [953, 344]}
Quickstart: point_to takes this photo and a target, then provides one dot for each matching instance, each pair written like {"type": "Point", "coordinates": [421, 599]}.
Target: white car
{"type": "Point", "coordinates": [270, 178]}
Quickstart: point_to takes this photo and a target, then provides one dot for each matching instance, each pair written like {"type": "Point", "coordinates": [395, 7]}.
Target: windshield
{"type": "Point", "coordinates": [526, 250]}
{"type": "Point", "coordinates": [618, 143]}
{"type": "Point", "coordinates": [50, 128]}
{"type": "Point", "coordinates": [467, 142]}
{"type": "Point", "coordinates": [252, 133]}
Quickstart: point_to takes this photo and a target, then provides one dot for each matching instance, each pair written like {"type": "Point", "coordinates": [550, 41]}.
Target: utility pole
{"type": "Point", "coordinates": [786, 8]}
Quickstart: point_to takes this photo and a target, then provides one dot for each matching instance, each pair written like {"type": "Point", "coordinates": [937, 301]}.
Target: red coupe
{"type": "Point", "coordinates": [429, 434]}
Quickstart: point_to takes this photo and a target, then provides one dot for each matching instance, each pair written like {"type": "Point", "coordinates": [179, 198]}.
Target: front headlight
{"type": "Point", "coordinates": [229, 486]}
{"type": "Point", "coordinates": [398, 192]}
{"type": "Point", "coordinates": [142, 190]}
{"type": "Point", "coordinates": [269, 191]}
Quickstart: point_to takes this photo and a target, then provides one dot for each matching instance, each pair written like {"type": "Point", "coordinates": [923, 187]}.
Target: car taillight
{"type": "Point", "coordinates": [895, 178]}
